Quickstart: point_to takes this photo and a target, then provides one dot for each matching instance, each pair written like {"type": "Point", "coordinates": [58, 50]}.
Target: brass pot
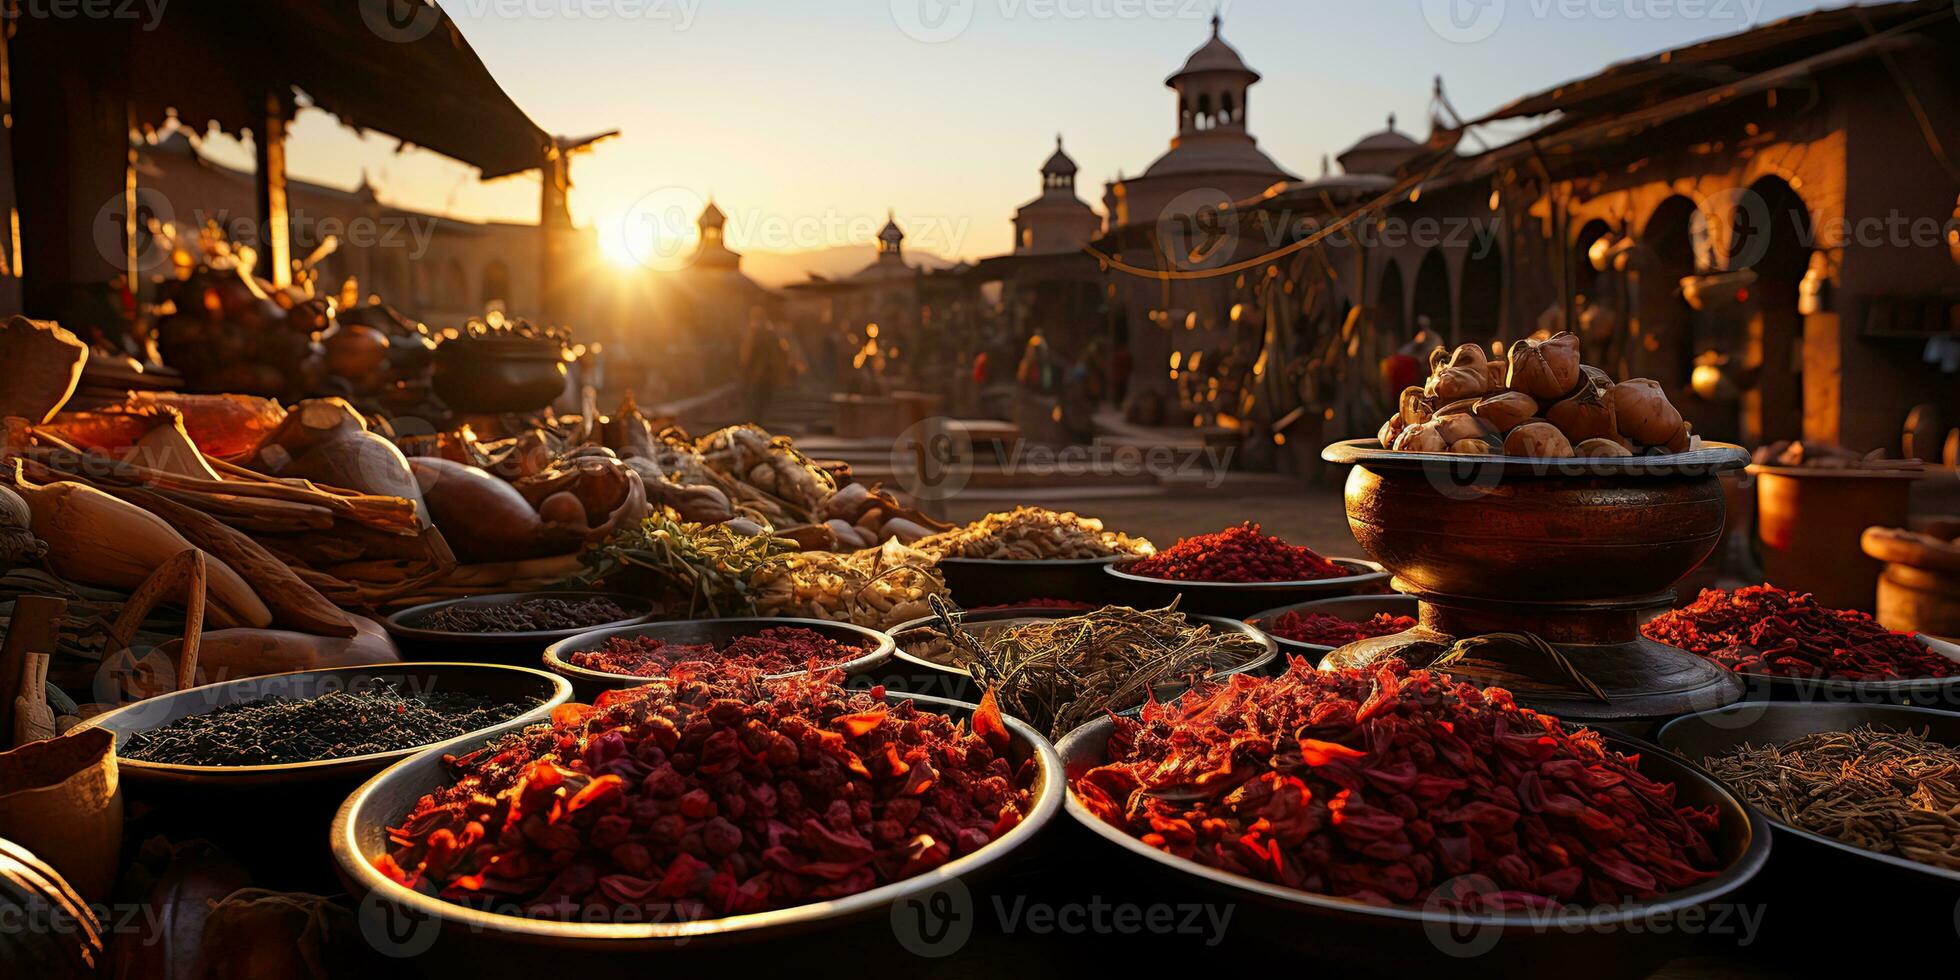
{"type": "Point", "coordinates": [1510, 529]}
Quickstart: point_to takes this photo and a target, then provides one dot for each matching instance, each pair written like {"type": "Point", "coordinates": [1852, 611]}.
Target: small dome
{"type": "Point", "coordinates": [1059, 165]}
{"type": "Point", "coordinates": [1214, 55]}
{"type": "Point", "coordinates": [891, 232]}
{"type": "Point", "coordinates": [712, 216]}
{"type": "Point", "coordinates": [1380, 153]}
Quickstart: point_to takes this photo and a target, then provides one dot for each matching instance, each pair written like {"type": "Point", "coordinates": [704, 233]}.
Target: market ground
{"type": "Point", "coordinates": [1309, 515]}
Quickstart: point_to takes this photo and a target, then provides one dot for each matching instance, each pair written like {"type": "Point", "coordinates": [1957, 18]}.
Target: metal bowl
{"type": "Point", "coordinates": [517, 649]}
{"type": "Point", "coordinates": [1236, 600]}
{"type": "Point", "coordinates": [976, 582]}
{"type": "Point", "coordinates": [913, 670]}
{"type": "Point", "coordinates": [1502, 528]}
{"type": "Point", "coordinates": [1354, 608]}
{"type": "Point", "coordinates": [258, 813]}
{"type": "Point", "coordinates": [1399, 941]}
{"type": "Point", "coordinates": [1923, 692]}
{"type": "Point", "coordinates": [490, 375]}
{"type": "Point", "coordinates": [589, 683]}
{"type": "Point", "coordinates": [505, 945]}
{"type": "Point", "coordinates": [1812, 874]}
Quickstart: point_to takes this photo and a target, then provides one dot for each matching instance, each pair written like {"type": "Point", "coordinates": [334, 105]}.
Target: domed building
{"type": "Point", "coordinates": [1214, 157]}
{"type": "Point", "coordinates": [1057, 221]}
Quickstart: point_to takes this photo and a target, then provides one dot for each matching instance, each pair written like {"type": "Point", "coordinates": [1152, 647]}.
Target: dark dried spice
{"type": "Point", "coordinates": [1761, 629]}
{"type": "Point", "coordinates": [1386, 786]}
{"type": "Point", "coordinates": [276, 730]}
{"type": "Point", "coordinates": [710, 795]}
{"type": "Point", "coordinates": [525, 616]}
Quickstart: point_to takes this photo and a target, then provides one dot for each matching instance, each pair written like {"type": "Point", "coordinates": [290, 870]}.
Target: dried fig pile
{"type": "Point", "coordinates": [1541, 401]}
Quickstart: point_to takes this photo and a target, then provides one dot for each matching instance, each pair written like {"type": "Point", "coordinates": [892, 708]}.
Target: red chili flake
{"type": "Point", "coordinates": [1236, 554]}
{"type": "Point", "coordinates": [777, 650]}
{"type": "Point", "coordinates": [1761, 629]}
{"type": "Point", "coordinates": [1322, 629]}
{"type": "Point", "coordinates": [1389, 786]}
{"type": "Point", "coordinates": [705, 796]}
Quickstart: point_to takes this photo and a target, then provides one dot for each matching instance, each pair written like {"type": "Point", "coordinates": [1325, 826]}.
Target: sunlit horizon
{"type": "Point", "coordinates": [810, 123]}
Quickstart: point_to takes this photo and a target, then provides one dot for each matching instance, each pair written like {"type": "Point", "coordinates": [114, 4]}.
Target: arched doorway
{"type": "Point", "coordinates": [1772, 237]}
{"type": "Point", "coordinates": [1480, 304]}
{"type": "Point", "coordinates": [1431, 306]}
{"type": "Point", "coordinates": [1391, 326]}
{"type": "Point", "coordinates": [496, 283]}
{"type": "Point", "coordinates": [1668, 341]}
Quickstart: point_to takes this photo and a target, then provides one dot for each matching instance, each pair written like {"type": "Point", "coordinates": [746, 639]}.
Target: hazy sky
{"type": "Point", "coordinates": [807, 119]}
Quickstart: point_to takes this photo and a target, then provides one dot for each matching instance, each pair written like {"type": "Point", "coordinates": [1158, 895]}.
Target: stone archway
{"type": "Point", "coordinates": [1431, 302]}
{"type": "Point", "coordinates": [1480, 293]}
{"type": "Point", "coordinates": [1771, 236]}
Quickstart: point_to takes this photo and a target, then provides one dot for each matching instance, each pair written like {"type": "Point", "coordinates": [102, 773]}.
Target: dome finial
{"type": "Point", "coordinates": [1217, 20]}
{"type": "Point", "coordinates": [1391, 120]}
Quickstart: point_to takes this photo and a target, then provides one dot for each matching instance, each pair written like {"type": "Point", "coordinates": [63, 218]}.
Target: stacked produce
{"type": "Point", "coordinates": [1761, 629]}
{"type": "Point", "coordinates": [1385, 787]}
{"type": "Point", "coordinates": [1059, 674]}
{"type": "Point", "coordinates": [709, 796]}
{"type": "Point", "coordinates": [1324, 629]}
{"type": "Point", "coordinates": [778, 650]}
{"type": "Point", "coordinates": [277, 730]}
{"type": "Point", "coordinates": [538, 615]}
{"type": "Point", "coordinates": [1882, 790]}
{"type": "Point", "coordinates": [1236, 554]}
{"type": "Point", "coordinates": [719, 571]}
{"type": "Point", "coordinates": [1539, 402]}
{"type": "Point", "coordinates": [1033, 534]}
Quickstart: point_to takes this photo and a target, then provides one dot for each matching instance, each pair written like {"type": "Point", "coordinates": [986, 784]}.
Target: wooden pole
{"type": "Point", "coordinates": [275, 232]}
{"type": "Point", "coordinates": [36, 623]}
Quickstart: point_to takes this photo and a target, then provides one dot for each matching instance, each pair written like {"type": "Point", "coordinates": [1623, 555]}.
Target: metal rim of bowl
{"type": "Point", "coordinates": [1048, 792]}
{"type": "Point", "coordinates": [1712, 459]}
{"type": "Point", "coordinates": [1050, 612]}
{"type": "Point", "coordinates": [561, 692]}
{"type": "Point", "coordinates": [1808, 688]}
{"type": "Point", "coordinates": [881, 647]}
{"type": "Point", "coordinates": [1007, 563]}
{"type": "Point", "coordinates": [1315, 648]}
{"type": "Point", "coordinates": [1890, 860]}
{"type": "Point", "coordinates": [1750, 862]}
{"type": "Point", "coordinates": [395, 623]}
{"type": "Point", "coordinates": [1365, 572]}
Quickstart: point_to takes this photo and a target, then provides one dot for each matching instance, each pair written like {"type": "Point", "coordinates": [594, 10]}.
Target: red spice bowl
{"type": "Point", "coordinates": [1353, 609]}
{"type": "Point", "coordinates": [457, 940]}
{"type": "Point", "coordinates": [1236, 600]}
{"type": "Point", "coordinates": [1608, 941]}
{"type": "Point", "coordinates": [1720, 613]}
{"type": "Point", "coordinates": [873, 647]}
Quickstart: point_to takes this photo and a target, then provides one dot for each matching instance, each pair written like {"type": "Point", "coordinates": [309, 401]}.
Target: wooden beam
{"type": "Point", "coordinates": [275, 232]}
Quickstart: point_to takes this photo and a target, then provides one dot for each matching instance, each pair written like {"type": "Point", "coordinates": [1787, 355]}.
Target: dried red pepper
{"type": "Point", "coordinates": [1391, 786]}
{"type": "Point", "coordinates": [1236, 554]}
{"type": "Point", "coordinates": [1761, 629]}
{"type": "Point", "coordinates": [709, 795]}
{"type": "Point", "coordinates": [1322, 629]}
{"type": "Point", "coordinates": [777, 650]}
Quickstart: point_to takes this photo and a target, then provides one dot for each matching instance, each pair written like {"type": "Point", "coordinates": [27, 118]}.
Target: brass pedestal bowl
{"type": "Point", "coordinates": [1572, 551]}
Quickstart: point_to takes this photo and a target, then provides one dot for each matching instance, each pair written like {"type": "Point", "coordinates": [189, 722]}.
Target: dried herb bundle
{"type": "Point", "coordinates": [1873, 788]}
{"type": "Point", "coordinates": [1062, 673]}
{"type": "Point", "coordinates": [703, 569]}
{"type": "Point", "coordinates": [1033, 534]}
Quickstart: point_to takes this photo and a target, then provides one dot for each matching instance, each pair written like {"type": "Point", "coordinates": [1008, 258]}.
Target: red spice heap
{"type": "Point", "coordinates": [1324, 630]}
{"type": "Point", "coordinates": [1236, 554]}
{"type": "Point", "coordinates": [1387, 787]}
{"type": "Point", "coordinates": [1761, 629]}
{"type": "Point", "coordinates": [709, 796]}
{"type": "Point", "coordinates": [777, 650]}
